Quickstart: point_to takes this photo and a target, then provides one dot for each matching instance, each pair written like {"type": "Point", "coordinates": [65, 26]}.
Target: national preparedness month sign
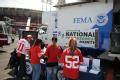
{"type": "Point", "coordinates": [85, 38]}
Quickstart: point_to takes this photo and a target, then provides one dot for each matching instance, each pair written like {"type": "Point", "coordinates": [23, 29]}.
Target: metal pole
{"type": "Point", "coordinates": [38, 18]}
{"type": "Point", "coordinates": [46, 4]}
{"type": "Point", "coordinates": [50, 5]}
{"type": "Point", "coordinates": [42, 6]}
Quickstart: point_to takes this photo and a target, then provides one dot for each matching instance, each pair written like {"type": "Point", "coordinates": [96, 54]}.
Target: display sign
{"type": "Point", "coordinates": [85, 38]}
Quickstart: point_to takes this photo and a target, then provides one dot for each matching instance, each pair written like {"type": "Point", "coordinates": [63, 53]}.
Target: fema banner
{"type": "Point", "coordinates": [97, 15]}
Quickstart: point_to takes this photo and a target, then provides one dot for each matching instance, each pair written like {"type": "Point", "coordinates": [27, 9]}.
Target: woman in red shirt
{"type": "Point", "coordinates": [35, 59]}
{"type": "Point", "coordinates": [71, 58]}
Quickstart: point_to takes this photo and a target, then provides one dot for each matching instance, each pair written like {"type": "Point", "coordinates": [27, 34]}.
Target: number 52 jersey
{"type": "Point", "coordinates": [71, 62]}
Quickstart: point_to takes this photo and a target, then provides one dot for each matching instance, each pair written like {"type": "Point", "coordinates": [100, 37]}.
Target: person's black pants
{"type": "Point", "coordinates": [22, 67]}
{"type": "Point", "coordinates": [16, 68]}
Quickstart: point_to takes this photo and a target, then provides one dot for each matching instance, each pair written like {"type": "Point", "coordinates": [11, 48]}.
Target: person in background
{"type": "Point", "coordinates": [43, 48]}
{"type": "Point", "coordinates": [35, 59]}
{"type": "Point", "coordinates": [23, 49]}
{"type": "Point", "coordinates": [43, 57]}
{"type": "Point", "coordinates": [43, 61]}
{"type": "Point", "coordinates": [53, 53]}
{"type": "Point", "coordinates": [71, 59]}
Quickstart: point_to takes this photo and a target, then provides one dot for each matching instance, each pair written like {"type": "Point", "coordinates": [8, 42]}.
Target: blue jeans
{"type": "Point", "coordinates": [36, 71]}
{"type": "Point", "coordinates": [51, 73]}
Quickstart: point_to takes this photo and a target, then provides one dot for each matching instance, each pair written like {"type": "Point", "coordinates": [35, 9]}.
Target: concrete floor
{"type": "Point", "coordinates": [4, 58]}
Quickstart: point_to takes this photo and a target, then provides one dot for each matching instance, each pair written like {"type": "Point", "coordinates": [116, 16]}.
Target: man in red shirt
{"type": "Point", "coordinates": [71, 58]}
{"type": "Point", "coordinates": [53, 53]}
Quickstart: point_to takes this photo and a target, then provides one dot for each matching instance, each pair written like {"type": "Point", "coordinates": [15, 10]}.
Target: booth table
{"type": "Point", "coordinates": [91, 76]}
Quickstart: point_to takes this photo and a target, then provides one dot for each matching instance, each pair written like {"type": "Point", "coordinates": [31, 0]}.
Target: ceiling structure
{"type": "Point", "coordinates": [20, 12]}
{"type": "Point", "coordinates": [21, 15]}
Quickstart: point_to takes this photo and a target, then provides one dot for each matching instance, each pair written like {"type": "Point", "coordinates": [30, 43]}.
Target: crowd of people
{"type": "Point", "coordinates": [70, 58]}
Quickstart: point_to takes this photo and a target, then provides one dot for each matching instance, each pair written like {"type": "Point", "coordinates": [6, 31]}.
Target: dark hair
{"type": "Point", "coordinates": [42, 45]}
{"type": "Point", "coordinates": [38, 41]}
{"type": "Point", "coordinates": [54, 39]}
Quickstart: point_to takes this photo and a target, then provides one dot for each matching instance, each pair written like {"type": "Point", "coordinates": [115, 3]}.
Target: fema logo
{"type": "Point", "coordinates": [101, 20]}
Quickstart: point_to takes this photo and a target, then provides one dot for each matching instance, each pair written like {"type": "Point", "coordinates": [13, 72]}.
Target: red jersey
{"type": "Point", "coordinates": [71, 63]}
{"type": "Point", "coordinates": [53, 53]}
{"type": "Point", "coordinates": [35, 51]}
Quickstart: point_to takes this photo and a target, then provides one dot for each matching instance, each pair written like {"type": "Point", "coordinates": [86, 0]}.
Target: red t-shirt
{"type": "Point", "coordinates": [71, 63]}
{"type": "Point", "coordinates": [53, 53]}
{"type": "Point", "coordinates": [35, 51]}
